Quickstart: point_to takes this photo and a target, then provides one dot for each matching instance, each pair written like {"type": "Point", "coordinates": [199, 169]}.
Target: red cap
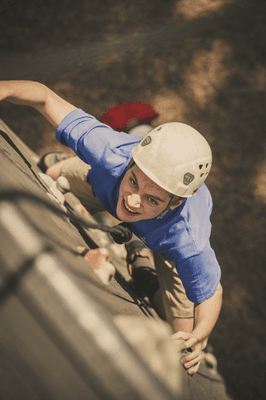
{"type": "Point", "coordinates": [119, 116]}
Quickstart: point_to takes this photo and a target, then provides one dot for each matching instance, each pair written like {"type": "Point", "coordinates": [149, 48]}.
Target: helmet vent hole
{"type": "Point", "coordinates": [201, 175]}
{"type": "Point", "coordinates": [207, 165]}
{"type": "Point", "coordinates": [159, 128]}
{"type": "Point", "coordinates": [200, 166]}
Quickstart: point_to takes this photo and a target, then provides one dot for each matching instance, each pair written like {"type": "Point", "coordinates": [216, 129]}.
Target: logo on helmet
{"type": "Point", "coordinates": [188, 178]}
{"type": "Point", "coordinates": [146, 141]}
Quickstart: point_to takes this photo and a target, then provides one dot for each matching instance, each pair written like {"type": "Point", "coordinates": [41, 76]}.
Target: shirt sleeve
{"type": "Point", "coordinates": [200, 275]}
{"type": "Point", "coordinates": [94, 142]}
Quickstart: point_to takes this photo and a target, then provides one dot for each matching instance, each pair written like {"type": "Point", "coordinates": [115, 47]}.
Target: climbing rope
{"type": "Point", "coordinates": [121, 233]}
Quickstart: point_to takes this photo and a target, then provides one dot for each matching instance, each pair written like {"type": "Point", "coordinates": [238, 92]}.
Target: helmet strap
{"type": "Point", "coordinates": [172, 201]}
{"type": "Point", "coordinates": [130, 164]}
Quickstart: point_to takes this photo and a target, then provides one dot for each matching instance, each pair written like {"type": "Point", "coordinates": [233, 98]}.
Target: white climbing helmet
{"type": "Point", "coordinates": [176, 157]}
{"type": "Point", "coordinates": [140, 130]}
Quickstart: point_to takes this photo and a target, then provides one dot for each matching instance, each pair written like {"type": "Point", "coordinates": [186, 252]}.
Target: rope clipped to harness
{"type": "Point", "coordinates": [121, 233]}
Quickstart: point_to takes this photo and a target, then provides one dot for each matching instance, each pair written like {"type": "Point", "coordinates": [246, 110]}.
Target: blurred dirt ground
{"type": "Point", "coordinates": [214, 81]}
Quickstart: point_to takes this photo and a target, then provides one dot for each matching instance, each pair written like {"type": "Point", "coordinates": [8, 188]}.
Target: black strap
{"type": "Point", "coordinates": [121, 233]}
